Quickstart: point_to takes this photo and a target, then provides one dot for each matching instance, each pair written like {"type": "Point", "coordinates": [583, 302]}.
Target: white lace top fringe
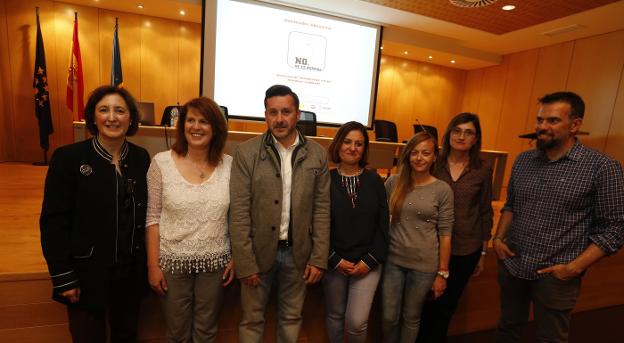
{"type": "Point", "coordinates": [193, 218]}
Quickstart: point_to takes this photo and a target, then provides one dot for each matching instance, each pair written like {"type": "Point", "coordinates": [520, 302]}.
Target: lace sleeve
{"type": "Point", "coordinates": [154, 194]}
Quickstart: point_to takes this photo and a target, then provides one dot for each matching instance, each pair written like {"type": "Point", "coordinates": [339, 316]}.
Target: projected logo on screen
{"type": "Point", "coordinates": [306, 51]}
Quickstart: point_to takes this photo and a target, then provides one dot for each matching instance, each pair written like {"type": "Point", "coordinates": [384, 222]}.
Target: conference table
{"type": "Point", "coordinates": [381, 155]}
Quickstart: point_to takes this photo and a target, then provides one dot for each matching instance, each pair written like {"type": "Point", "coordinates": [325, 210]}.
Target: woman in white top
{"type": "Point", "coordinates": [188, 247]}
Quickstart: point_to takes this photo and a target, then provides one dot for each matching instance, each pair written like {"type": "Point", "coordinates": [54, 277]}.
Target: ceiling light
{"type": "Point", "coordinates": [453, 61]}
{"type": "Point", "coordinates": [430, 57]}
{"type": "Point", "coordinates": [405, 52]}
{"type": "Point", "coordinates": [140, 6]}
{"type": "Point", "coordinates": [182, 12]}
{"type": "Point", "coordinates": [508, 7]}
{"type": "Point", "coordinates": [381, 48]}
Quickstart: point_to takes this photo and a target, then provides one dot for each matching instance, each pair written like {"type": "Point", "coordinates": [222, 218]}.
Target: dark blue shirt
{"type": "Point", "coordinates": [560, 207]}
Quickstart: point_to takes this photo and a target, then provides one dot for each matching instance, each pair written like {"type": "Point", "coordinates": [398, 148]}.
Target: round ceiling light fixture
{"type": "Point", "coordinates": [472, 3]}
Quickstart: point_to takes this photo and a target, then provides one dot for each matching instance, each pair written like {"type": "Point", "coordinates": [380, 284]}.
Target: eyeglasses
{"type": "Point", "coordinates": [457, 132]}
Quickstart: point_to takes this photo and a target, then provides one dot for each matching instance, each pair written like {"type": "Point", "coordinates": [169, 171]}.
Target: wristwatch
{"type": "Point", "coordinates": [444, 274]}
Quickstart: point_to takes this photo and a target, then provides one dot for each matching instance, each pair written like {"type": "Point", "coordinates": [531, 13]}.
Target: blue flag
{"type": "Point", "coordinates": [116, 75]}
{"type": "Point", "coordinates": [42, 96]}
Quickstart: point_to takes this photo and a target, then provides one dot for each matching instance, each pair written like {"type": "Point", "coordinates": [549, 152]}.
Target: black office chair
{"type": "Point", "coordinates": [224, 111]}
{"type": "Point", "coordinates": [385, 131]}
{"type": "Point", "coordinates": [166, 117]}
{"type": "Point", "coordinates": [307, 123]}
{"type": "Point", "coordinates": [431, 129]}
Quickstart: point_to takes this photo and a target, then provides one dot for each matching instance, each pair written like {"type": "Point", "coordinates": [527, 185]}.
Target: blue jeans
{"type": "Point", "coordinates": [403, 293]}
{"type": "Point", "coordinates": [349, 299]}
{"type": "Point", "coordinates": [290, 296]}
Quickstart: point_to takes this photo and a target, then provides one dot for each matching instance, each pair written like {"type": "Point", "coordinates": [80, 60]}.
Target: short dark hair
{"type": "Point", "coordinates": [97, 95]}
{"type": "Point", "coordinates": [577, 105]}
{"type": "Point", "coordinates": [475, 150]}
{"type": "Point", "coordinates": [343, 131]}
{"type": "Point", "coordinates": [280, 90]}
{"type": "Point", "coordinates": [211, 112]}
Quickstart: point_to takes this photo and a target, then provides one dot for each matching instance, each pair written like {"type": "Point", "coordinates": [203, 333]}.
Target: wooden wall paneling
{"type": "Point", "coordinates": [450, 86]}
{"type": "Point", "coordinates": [428, 99]}
{"type": "Point", "coordinates": [615, 136]}
{"type": "Point", "coordinates": [404, 95]}
{"type": "Point", "coordinates": [21, 29]}
{"type": "Point", "coordinates": [189, 61]}
{"type": "Point", "coordinates": [129, 35]}
{"type": "Point", "coordinates": [58, 333]}
{"type": "Point", "coordinates": [595, 74]}
{"type": "Point", "coordinates": [159, 62]}
{"type": "Point", "coordinates": [473, 87]}
{"type": "Point", "coordinates": [384, 87]}
{"type": "Point", "coordinates": [89, 52]}
{"type": "Point", "coordinates": [7, 148]}
{"type": "Point", "coordinates": [551, 75]}
{"type": "Point", "coordinates": [491, 102]}
{"type": "Point", "coordinates": [518, 87]}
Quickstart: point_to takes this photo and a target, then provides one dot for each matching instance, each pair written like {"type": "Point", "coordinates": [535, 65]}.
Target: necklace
{"type": "Point", "coordinates": [202, 175]}
{"type": "Point", "coordinates": [351, 183]}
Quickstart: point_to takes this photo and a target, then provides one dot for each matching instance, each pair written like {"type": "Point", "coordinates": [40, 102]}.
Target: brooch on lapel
{"type": "Point", "coordinates": [86, 170]}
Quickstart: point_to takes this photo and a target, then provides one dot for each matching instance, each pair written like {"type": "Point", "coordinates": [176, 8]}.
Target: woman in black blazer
{"type": "Point", "coordinates": [92, 221]}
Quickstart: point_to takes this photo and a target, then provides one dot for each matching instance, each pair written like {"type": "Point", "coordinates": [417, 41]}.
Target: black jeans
{"type": "Point", "coordinates": [437, 313]}
{"type": "Point", "coordinates": [553, 301]}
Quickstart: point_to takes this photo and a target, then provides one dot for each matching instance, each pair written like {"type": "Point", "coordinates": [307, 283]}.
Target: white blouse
{"type": "Point", "coordinates": [193, 218]}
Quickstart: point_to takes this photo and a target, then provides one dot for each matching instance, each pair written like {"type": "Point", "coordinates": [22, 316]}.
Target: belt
{"type": "Point", "coordinates": [284, 243]}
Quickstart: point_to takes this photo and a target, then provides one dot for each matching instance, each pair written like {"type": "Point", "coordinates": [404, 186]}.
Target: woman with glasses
{"type": "Point", "coordinates": [359, 236]}
{"type": "Point", "coordinates": [470, 178]}
{"type": "Point", "coordinates": [421, 208]}
{"type": "Point", "coordinates": [92, 222]}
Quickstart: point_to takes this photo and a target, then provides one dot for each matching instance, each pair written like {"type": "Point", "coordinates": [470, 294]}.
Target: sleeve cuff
{"type": "Point", "coordinates": [333, 261]}
{"type": "Point", "coordinates": [62, 282]}
{"type": "Point", "coordinates": [605, 244]}
{"type": "Point", "coordinates": [370, 261]}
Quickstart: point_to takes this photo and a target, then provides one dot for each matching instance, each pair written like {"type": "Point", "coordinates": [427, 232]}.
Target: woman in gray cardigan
{"type": "Point", "coordinates": [421, 209]}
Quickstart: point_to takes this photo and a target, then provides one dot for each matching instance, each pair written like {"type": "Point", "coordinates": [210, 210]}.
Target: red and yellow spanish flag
{"type": "Point", "coordinates": [75, 80]}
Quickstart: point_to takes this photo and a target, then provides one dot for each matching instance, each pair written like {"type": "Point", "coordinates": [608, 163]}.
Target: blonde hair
{"type": "Point", "coordinates": [403, 183]}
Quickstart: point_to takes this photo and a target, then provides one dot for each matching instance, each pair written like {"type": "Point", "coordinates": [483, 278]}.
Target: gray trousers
{"type": "Point", "coordinates": [553, 301]}
{"type": "Point", "coordinates": [192, 305]}
{"type": "Point", "coordinates": [290, 296]}
{"type": "Point", "coordinates": [348, 301]}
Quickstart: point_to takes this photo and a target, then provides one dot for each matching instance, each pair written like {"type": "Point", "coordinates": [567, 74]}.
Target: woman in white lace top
{"type": "Point", "coordinates": [188, 246]}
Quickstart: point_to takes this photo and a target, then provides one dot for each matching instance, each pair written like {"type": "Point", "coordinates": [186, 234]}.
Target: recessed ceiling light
{"type": "Point", "coordinates": [405, 52]}
{"type": "Point", "coordinates": [430, 57]}
{"type": "Point", "coordinates": [508, 7]}
{"type": "Point", "coordinates": [453, 61]}
{"type": "Point", "coordinates": [140, 6]}
{"type": "Point", "coordinates": [381, 48]}
{"type": "Point", "coordinates": [182, 12]}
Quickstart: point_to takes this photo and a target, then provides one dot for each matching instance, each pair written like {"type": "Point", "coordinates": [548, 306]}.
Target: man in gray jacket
{"type": "Point", "coordinates": [279, 217]}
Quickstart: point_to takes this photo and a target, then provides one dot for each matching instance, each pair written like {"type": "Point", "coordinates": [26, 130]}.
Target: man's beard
{"type": "Point", "coordinates": [546, 144]}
